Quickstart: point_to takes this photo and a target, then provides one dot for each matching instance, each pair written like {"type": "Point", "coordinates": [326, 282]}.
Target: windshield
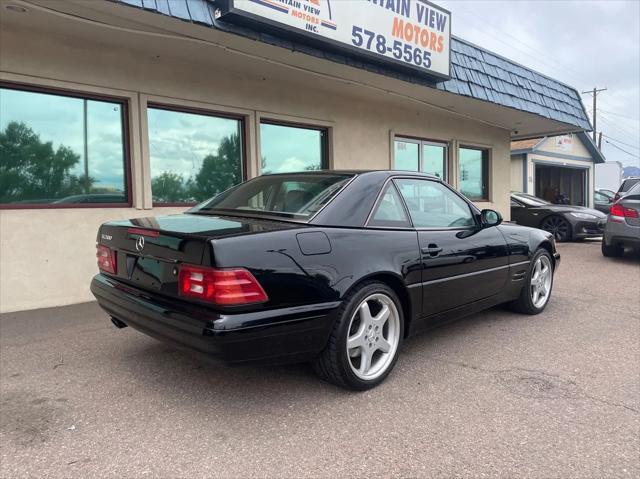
{"type": "Point", "coordinates": [296, 195]}
{"type": "Point", "coordinates": [529, 200]}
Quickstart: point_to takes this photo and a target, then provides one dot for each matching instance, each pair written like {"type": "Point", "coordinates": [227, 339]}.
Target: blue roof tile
{"type": "Point", "coordinates": [199, 12]}
{"type": "Point", "coordinates": [475, 72]}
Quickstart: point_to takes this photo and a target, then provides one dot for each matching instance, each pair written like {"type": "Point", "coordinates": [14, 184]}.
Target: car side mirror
{"type": "Point", "coordinates": [490, 218]}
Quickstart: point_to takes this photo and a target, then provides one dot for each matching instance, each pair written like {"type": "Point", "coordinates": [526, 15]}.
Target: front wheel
{"type": "Point", "coordinates": [536, 292]}
{"type": "Point", "coordinates": [558, 227]}
{"type": "Point", "coordinates": [365, 341]}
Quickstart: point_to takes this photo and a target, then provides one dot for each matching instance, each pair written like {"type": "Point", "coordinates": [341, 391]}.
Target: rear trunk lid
{"type": "Point", "coordinates": [150, 250]}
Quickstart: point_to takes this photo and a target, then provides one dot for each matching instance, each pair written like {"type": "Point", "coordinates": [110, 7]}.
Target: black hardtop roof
{"type": "Point", "coordinates": [378, 173]}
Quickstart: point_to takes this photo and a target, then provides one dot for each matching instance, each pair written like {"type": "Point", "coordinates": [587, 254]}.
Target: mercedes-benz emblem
{"type": "Point", "coordinates": [140, 243]}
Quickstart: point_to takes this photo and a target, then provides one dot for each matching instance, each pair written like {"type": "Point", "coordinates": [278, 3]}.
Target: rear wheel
{"type": "Point", "coordinates": [365, 341]}
{"type": "Point", "coordinates": [558, 227]}
{"type": "Point", "coordinates": [536, 292]}
{"type": "Point", "coordinates": [611, 251]}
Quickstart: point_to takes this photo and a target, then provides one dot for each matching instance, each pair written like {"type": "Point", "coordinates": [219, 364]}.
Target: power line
{"type": "Point", "coordinates": [618, 127]}
{"type": "Point", "coordinates": [621, 142]}
{"type": "Point", "coordinates": [621, 149]}
{"type": "Point", "coordinates": [618, 114]}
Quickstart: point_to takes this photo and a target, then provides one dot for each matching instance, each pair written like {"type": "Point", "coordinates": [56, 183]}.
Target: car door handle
{"type": "Point", "coordinates": [431, 250]}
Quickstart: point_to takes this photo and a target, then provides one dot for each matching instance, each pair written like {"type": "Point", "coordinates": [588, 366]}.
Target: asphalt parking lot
{"type": "Point", "coordinates": [498, 394]}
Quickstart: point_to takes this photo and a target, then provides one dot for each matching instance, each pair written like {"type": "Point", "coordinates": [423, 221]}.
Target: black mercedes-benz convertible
{"type": "Point", "coordinates": [332, 267]}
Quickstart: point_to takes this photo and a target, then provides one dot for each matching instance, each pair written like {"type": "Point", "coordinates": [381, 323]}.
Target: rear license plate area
{"type": "Point", "coordinates": [149, 273]}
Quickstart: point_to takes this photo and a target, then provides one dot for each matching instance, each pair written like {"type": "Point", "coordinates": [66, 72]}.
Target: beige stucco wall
{"type": "Point", "coordinates": [47, 256]}
{"type": "Point", "coordinates": [576, 147]}
{"type": "Point", "coordinates": [517, 167]}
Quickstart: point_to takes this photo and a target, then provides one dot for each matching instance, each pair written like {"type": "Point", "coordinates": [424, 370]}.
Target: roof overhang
{"type": "Point", "coordinates": [146, 30]}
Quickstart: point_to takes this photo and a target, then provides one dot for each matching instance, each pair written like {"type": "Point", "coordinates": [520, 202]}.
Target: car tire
{"type": "Point", "coordinates": [559, 227]}
{"type": "Point", "coordinates": [528, 302]}
{"type": "Point", "coordinates": [375, 340]}
{"type": "Point", "coordinates": [611, 251]}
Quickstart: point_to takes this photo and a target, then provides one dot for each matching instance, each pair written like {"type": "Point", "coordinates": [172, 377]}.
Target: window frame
{"type": "Point", "coordinates": [486, 166]}
{"type": "Point", "coordinates": [124, 103]}
{"type": "Point", "coordinates": [203, 112]}
{"type": "Point", "coordinates": [324, 144]}
{"type": "Point", "coordinates": [475, 211]}
{"type": "Point", "coordinates": [421, 142]}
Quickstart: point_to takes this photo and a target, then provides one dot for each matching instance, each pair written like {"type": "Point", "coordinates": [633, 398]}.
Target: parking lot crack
{"type": "Point", "coordinates": [537, 384]}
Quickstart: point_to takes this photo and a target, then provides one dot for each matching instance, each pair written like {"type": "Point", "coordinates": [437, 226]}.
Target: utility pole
{"type": "Point", "coordinates": [600, 141]}
{"type": "Point", "coordinates": [594, 93]}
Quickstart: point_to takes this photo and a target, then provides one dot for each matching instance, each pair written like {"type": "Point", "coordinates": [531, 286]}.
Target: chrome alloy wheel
{"type": "Point", "coordinates": [541, 278]}
{"type": "Point", "coordinates": [373, 336]}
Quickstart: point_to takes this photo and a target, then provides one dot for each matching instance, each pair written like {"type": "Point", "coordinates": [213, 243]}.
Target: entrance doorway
{"type": "Point", "coordinates": [561, 184]}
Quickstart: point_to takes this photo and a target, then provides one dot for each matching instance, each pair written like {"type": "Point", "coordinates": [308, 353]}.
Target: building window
{"type": "Point", "coordinates": [193, 155]}
{"type": "Point", "coordinates": [474, 173]}
{"type": "Point", "coordinates": [289, 148]}
{"type": "Point", "coordinates": [421, 155]}
{"type": "Point", "coordinates": [61, 149]}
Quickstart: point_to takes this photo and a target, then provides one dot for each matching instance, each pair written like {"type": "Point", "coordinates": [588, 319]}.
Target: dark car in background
{"type": "Point", "coordinates": [602, 200]}
{"type": "Point", "coordinates": [336, 268]}
{"type": "Point", "coordinates": [623, 224]}
{"type": "Point", "coordinates": [564, 222]}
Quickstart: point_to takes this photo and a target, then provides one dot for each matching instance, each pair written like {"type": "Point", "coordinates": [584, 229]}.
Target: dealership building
{"type": "Point", "coordinates": [114, 109]}
{"type": "Point", "coordinates": [558, 166]}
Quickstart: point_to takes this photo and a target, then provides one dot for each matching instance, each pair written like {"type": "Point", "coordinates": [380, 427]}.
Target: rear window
{"type": "Point", "coordinates": [297, 195]}
{"type": "Point", "coordinates": [627, 184]}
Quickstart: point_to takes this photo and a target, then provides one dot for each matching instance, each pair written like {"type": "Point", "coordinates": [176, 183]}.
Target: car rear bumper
{"type": "Point", "coordinates": [621, 240]}
{"type": "Point", "coordinates": [273, 336]}
{"type": "Point", "coordinates": [619, 232]}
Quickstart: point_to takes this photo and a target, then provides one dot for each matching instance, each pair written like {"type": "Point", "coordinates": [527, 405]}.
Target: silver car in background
{"type": "Point", "coordinates": [623, 224]}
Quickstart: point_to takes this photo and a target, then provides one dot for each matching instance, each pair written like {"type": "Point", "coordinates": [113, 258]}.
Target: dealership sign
{"type": "Point", "coordinates": [411, 33]}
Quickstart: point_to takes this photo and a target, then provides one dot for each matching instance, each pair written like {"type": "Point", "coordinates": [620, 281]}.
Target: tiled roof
{"type": "Point", "coordinates": [475, 72]}
{"type": "Point", "coordinates": [524, 144]}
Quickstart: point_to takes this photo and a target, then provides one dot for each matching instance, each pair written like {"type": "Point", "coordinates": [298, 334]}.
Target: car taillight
{"type": "Point", "coordinates": [227, 287]}
{"type": "Point", "coordinates": [616, 210]}
{"type": "Point", "coordinates": [106, 259]}
{"type": "Point", "coordinates": [619, 210]}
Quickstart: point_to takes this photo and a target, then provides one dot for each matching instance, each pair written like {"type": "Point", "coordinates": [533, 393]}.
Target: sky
{"type": "Point", "coordinates": [585, 44]}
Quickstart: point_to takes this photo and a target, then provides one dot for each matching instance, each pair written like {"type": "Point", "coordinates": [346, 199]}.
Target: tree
{"type": "Point", "coordinates": [168, 188]}
{"type": "Point", "coordinates": [32, 170]}
{"type": "Point", "coordinates": [218, 172]}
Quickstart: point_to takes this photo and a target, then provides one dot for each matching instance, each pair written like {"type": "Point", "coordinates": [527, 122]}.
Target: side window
{"type": "Point", "coordinates": [390, 212]}
{"type": "Point", "coordinates": [433, 205]}
{"type": "Point", "coordinates": [600, 198]}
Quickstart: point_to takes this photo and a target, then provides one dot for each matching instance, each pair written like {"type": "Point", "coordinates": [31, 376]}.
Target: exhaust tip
{"type": "Point", "coordinates": [117, 323]}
